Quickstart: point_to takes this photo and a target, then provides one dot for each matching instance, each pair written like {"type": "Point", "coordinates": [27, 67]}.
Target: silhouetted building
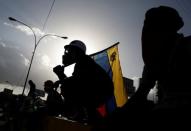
{"type": "Point", "coordinates": [129, 86]}
{"type": "Point", "coordinates": [7, 91]}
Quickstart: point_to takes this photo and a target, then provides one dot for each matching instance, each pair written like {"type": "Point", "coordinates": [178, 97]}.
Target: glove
{"type": "Point", "coordinates": [58, 69]}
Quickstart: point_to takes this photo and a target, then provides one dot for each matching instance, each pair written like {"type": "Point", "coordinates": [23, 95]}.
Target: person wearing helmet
{"type": "Point", "coordinates": [89, 86]}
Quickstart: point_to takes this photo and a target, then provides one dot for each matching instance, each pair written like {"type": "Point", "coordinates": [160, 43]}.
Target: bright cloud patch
{"type": "Point", "coordinates": [45, 60]}
{"type": "Point", "coordinates": [26, 61]}
{"type": "Point", "coordinates": [3, 44]}
{"type": "Point", "coordinates": [25, 29]}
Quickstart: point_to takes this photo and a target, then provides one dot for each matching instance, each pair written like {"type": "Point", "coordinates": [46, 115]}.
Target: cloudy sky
{"type": "Point", "coordinates": [99, 23]}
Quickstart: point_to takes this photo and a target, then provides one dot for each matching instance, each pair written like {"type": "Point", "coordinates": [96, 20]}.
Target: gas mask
{"type": "Point", "coordinates": [68, 58]}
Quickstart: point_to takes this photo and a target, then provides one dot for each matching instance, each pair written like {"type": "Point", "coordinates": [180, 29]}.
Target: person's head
{"type": "Point", "coordinates": [163, 18]}
{"type": "Point", "coordinates": [32, 85]}
{"type": "Point", "coordinates": [48, 86]}
{"type": "Point", "coordinates": [73, 51]}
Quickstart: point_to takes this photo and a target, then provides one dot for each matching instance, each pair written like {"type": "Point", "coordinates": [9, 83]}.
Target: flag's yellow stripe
{"type": "Point", "coordinates": [119, 90]}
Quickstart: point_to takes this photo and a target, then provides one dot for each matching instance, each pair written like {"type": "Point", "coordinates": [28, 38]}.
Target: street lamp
{"type": "Point", "coordinates": [36, 44]}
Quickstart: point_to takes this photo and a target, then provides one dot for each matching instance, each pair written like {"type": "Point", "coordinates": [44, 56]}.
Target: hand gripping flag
{"type": "Point", "coordinates": [108, 59]}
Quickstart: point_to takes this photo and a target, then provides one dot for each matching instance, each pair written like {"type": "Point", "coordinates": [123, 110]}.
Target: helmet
{"type": "Point", "coordinates": [77, 43]}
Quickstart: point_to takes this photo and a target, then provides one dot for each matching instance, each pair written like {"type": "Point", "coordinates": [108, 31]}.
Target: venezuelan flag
{"type": "Point", "coordinates": [108, 59]}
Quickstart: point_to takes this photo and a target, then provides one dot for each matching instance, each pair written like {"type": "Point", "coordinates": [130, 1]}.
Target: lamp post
{"type": "Point", "coordinates": [36, 44]}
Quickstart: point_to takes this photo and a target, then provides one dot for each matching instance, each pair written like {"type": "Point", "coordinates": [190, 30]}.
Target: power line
{"type": "Point", "coordinates": [48, 15]}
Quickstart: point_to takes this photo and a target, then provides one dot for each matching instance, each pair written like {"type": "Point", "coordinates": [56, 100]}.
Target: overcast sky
{"type": "Point", "coordinates": [99, 23]}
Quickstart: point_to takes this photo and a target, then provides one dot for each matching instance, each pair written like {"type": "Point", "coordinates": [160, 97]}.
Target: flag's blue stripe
{"type": "Point", "coordinates": [102, 60]}
{"type": "Point", "coordinates": [111, 105]}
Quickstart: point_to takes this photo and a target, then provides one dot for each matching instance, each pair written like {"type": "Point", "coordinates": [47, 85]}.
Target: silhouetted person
{"type": "Point", "coordinates": [159, 38]}
{"type": "Point", "coordinates": [89, 86]}
{"type": "Point", "coordinates": [166, 55]}
{"type": "Point", "coordinates": [32, 92]}
{"type": "Point", "coordinates": [54, 100]}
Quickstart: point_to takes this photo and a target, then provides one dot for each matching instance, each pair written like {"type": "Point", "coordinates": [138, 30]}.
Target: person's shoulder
{"type": "Point", "coordinates": [183, 41]}
{"type": "Point", "coordinates": [186, 42]}
{"type": "Point", "coordinates": [187, 39]}
{"type": "Point", "coordinates": [88, 60]}
{"type": "Point", "coordinates": [185, 45]}
{"type": "Point", "coordinates": [88, 57]}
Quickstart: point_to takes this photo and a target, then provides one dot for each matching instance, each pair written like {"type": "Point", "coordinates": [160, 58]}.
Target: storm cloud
{"type": "Point", "coordinates": [14, 65]}
{"type": "Point", "coordinates": [12, 62]}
